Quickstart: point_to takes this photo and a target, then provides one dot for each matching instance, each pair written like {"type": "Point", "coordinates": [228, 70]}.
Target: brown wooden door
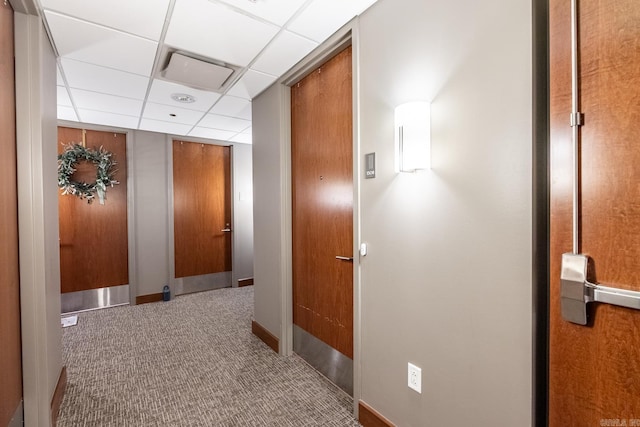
{"type": "Point", "coordinates": [594, 373]}
{"type": "Point", "coordinates": [201, 208]}
{"type": "Point", "coordinates": [10, 346]}
{"type": "Point", "coordinates": [93, 237]}
{"type": "Point", "coordinates": [322, 179]}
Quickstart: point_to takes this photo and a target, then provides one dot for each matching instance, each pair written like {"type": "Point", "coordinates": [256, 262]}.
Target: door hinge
{"type": "Point", "coordinates": [576, 119]}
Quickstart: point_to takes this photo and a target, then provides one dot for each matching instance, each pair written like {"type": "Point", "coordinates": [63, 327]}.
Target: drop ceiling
{"type": "Point", "coordinates": [111, 57]}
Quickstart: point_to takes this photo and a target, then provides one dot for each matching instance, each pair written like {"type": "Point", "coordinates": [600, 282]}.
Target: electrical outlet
{"type": "Point", "coordinates": [415, 378]}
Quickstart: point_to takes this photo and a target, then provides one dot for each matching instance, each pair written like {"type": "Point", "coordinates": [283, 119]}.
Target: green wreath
{"type": "Point", "coordinates": [67, 161]}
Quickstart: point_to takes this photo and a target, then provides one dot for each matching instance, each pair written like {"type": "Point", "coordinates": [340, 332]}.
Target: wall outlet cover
{"type": "Point", "coordinates": [414, 378]}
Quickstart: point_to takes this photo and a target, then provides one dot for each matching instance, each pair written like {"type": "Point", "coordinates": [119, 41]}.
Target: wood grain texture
{"type": "Point", "coordinates": [10, 355]}
{"type": "Point", "coordinates": [267, 337]}
{"type": "Point", "coordinates": [58, 395]}
{"type": "Point", "coordinates": [594, 372]}
{"type": "Point", "coordinates": [202, 208]}
{"type": "Point", "coordinates": [245, 282]}
{"type": "Point", "coordinates": [322, 203]}
{"type": "Point", "coordinates": [146, 299]}
{"type": "Point", "coordinates": [369, 417]}
{"type": "Point", "coordinates": [94, 237]}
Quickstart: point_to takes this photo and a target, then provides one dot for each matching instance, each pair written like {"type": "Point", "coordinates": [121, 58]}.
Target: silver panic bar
{"type": "Point", "coordinates": [576, 291]}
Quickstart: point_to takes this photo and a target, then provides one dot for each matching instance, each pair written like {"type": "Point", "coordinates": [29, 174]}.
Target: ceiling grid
{"type": "Point", "coordinates": [111, 57]}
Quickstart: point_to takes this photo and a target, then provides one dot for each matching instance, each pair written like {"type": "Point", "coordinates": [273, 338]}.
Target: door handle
{"type": "Point", "coordinates": [576, 291]}
{"type": "Point", "coordinates": [344, 258]}
{"type": "Point", "coordinates": [226, 230]}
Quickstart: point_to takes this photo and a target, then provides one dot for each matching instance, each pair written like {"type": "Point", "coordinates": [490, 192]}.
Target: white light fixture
{"type": "Point", "coordinates": [413, 136]}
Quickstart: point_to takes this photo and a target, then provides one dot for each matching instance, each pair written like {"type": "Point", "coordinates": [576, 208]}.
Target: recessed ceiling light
{"type": "Point", "coordinates": [184, 98]}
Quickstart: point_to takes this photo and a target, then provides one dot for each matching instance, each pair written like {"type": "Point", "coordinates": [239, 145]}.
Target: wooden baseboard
{"type": "Point", "coordinates": [245, 282]}
{"type": "Point", "coordinates": [144, 299]}
{"type": "Point", "coordinates": [267, 337]}
{"type": "Point", "coordinates": [58, 394]}
{"type": "Point", "coordinates": [369, 417]}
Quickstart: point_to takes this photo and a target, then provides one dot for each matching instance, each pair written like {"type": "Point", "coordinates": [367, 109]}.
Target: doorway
{"type": "Point", "coordinates": [201, 216]}
{"type": "Point", "coordinates": [594, 369]}
{"type": "Point", "coordinates": [94, 248]}
{"type": "Point", "coordinates": [322, 218]}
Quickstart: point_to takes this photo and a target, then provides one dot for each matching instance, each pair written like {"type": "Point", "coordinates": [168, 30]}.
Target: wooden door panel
{"type": "Point", "coordinates": [94, 237]}
{"type": "Point", "coordinates": [202, 208]}
{"type": "Point", "coordinates": [595, 369]}
{"type": "Point", "coordinates": [323, 203]}
{"type": "Point", "coordinates": [10, 346]}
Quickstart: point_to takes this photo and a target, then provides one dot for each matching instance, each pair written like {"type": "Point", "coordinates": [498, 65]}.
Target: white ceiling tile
{"type": "Point", "coordinates": [107, 103]}
{"type": "Point", "coordinates": [248, 130]}
{"type": "Point", "coordinates": [168, 113]}
{"type": "Point", "coordinates": [108, 119]}
{"type": "Point", "coordinates": [217, 32]}
{"type": "Point", "coordinates": [231, 124]}
{"type": "Point", "coordinates": [81, 75]}
{"type": "Point", "coordinates": [99, 45]}
{"type": "Point", "coordinates": [276, 11]}
{"type": "Point", "coordinates": [324, 17]}
{"type": "Point", "coordinates": [164, 127]}
{"type": "Point", "coordinates": [251, 84]}
{"type": "Point", "coordinates": [243, 138]}
{"type": "Point", "coordinates": [67, 113]}
{"type": "Point", "coordinates": [285, 51]}
{"type": "Point", "coordinates": [141, 17]}
{"type": "Point", "coordinates": [162, 90]}
{"type": "Point", "coordinates": [233, 107]}
{"type": "Point", "coordinates": [63, 97]}
{"type": "Point", "coordinates": [201, 132]}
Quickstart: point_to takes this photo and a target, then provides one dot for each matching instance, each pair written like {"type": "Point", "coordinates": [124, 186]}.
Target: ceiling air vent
{"type": "Point", "coordinates": [196, 73]}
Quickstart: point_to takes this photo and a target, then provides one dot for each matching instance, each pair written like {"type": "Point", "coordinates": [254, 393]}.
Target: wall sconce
{"type": "Point", "coordinates": [413, 136]}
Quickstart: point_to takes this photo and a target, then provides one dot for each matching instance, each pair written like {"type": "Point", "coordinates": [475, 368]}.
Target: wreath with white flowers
{"type": "Point", "coordinates": [105, 172]}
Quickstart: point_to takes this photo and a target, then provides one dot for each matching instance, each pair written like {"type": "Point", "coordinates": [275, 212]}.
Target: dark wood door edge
{"type": "Point", "coordinates": [267, 337]}
{"type": "Point", "coordinates": [58, 394]}
{"type": "Point", "coordinates": [369, 417]}
{"type": "Point", "coordinates": [144, 299]}
{"type": "Point", "coordinates": [245, 282]}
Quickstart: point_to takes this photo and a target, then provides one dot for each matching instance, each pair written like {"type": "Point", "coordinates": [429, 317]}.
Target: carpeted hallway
{"type": "Point", "coordinates": [189, 362]}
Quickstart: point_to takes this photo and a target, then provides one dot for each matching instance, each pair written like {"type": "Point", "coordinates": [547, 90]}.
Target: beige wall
{"type": "Point", "coordinates": [38, 217]}
{"type": "Point", "coordinates": [268, 208]}
{"type": "Point", "coordinates": [447, 282]}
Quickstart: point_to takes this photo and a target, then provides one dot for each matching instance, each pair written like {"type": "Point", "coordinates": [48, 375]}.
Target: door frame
{"type": "Point", "coordinates": [173, 281]}
{"type": "Point", "coordinates": [345, 36]}
{"type": "Point", "coordinates": [540, 214]}
{"type": "Point", "coordinates": [131, 223]}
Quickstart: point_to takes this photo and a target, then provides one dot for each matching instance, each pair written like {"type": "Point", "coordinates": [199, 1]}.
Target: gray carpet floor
{"type": "Point", "coordinates": [191, 361]}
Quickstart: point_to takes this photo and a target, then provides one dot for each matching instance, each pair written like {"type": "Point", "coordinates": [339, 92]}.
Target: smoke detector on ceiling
{"type": "Point", "coordinates": [196, 73]}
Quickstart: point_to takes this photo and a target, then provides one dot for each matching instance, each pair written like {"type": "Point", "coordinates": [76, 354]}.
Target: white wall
{"type": "Point", "coordinates": [37, 217]}
{"type": "Point", "coordinates": [242, 213]}
{"type": "Point", "coordinates": [447, 282]}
